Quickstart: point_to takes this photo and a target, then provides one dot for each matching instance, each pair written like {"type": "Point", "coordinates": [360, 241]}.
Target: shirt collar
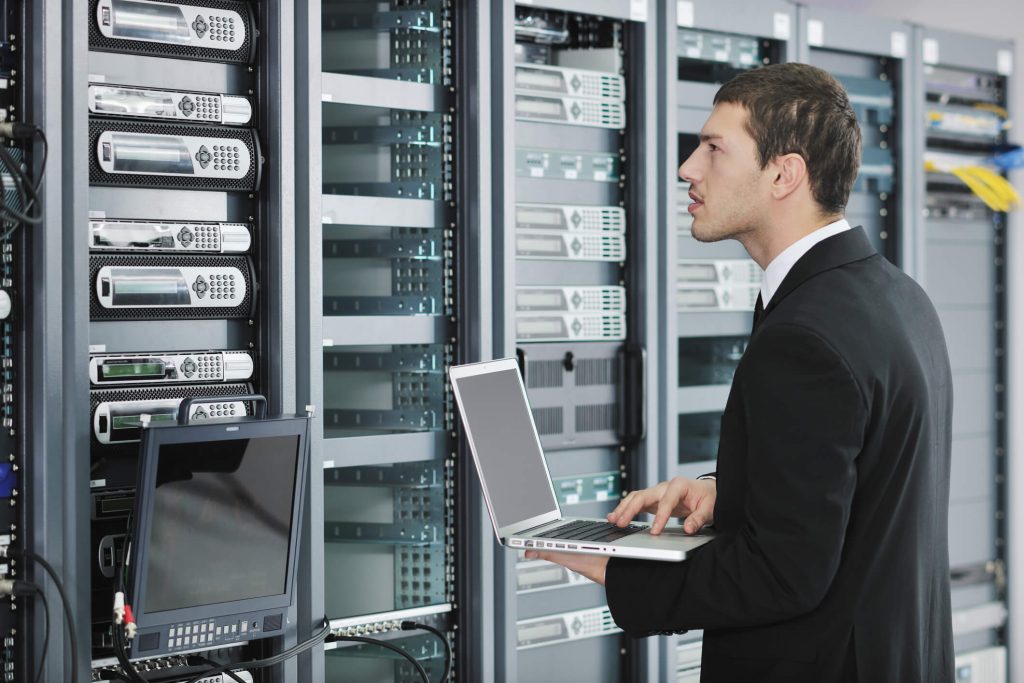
{"type": "Point", "coordinates": [780, 266]}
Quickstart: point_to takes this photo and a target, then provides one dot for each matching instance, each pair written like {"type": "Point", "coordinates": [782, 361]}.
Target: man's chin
{"type": "Point", "coordinates": [706, 235]}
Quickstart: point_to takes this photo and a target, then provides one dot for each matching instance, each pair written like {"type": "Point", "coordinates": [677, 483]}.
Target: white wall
{"type": "Point", "coordinates": [1002, 19]}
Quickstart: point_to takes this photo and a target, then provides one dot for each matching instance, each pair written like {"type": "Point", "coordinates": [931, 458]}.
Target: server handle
{"type": "Point", "coordinates": [258, 399]}
{"type": "Point", "coordinates": [633, 405]}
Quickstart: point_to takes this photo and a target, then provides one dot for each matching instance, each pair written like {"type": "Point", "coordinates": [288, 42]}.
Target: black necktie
{"type": "Point", "coordinates": [758, 314]}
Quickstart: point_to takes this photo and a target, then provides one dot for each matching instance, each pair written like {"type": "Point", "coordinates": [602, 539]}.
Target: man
{"type": "Point", "coordinates": [832, 488]}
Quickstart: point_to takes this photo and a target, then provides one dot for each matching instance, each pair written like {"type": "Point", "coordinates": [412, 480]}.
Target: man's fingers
{"type": "Point", "coordinates": [633, 504]}
{"type": "Point", "coordinates": [696, 521]}
{"type": "Point", "coordinates": [661, 517]}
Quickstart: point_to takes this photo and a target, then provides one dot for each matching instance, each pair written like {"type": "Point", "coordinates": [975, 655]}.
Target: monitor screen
{"type": "Point", "coordinates": [502, 435]}
{"type": "Point", "coordinates": [221, 520]}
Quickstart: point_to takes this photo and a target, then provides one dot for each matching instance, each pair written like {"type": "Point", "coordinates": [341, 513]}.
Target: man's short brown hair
{"type": "Point", "coordinates": [801, 109]}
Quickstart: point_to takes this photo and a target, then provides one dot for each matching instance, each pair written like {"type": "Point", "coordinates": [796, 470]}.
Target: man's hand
{"type": "Point", "coordinates": [590, 566]}
{"type": "Point", "coordinates": [693, 499]}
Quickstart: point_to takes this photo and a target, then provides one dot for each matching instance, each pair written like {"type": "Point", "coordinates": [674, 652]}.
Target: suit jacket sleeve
{"type": "Point", "coordinates": [805, 418]}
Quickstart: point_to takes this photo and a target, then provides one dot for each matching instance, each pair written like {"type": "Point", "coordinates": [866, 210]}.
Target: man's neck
{"type": "Point", "coordinates": [765, 244]}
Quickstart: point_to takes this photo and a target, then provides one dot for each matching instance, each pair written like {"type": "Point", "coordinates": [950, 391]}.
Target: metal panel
{"type": "Point", "coordinates": [970, 332]}
{"type": "Point", "coordinates": [962, 50]}
{"type": "Point", "coordinates": [972, 532]}
{"type": "Point", "coordinates": [377, 92]}
{"type": "Point", "coordinates": [855, 32]}
{"type": "Point", "coordinates": [973, 469]}
{"type": "Point", "coordinates": [776, 20]}
{"type": "Point", "coordinates": [308, 316]}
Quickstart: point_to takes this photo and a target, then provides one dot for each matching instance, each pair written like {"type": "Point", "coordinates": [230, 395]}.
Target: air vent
{"type": "Point", "coordinates": [596, 418]}
{"type": "Point", "coordinates": [545, 374]}
{"type": "Point", "coordinates": [549, 420]}
{"type": "Point", "coordinates": [596, 371]}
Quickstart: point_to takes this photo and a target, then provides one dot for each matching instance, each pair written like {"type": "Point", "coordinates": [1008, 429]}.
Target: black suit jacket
{"type": "Point", "coordinates": [831, 561]}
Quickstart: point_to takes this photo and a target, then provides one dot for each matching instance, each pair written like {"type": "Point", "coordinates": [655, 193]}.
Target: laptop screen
{"type": "Point", "coordinates": [508, 453]}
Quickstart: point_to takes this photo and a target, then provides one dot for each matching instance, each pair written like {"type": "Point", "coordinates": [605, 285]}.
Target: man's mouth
{"type": "Point", "coordinates": [697, 202]}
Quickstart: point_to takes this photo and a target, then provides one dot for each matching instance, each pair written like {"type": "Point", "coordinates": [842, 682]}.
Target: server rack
{"type": "Point", "coordinates": [177, 149]}
{"type": "Point", "coordinates": [710, 289]}
{"type": "Point", "coordinates": [871, 58]}
{"type": "Point", "coordinates": [389, 212]}
{"type": "Point", "coordinates": [16, 242]}
{"type": "Point", "coordinates": [963, 88]}
{"type": "Point", "coordinates": [575, 186]}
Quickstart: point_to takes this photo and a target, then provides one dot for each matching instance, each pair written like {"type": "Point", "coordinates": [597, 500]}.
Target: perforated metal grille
{"type": "Point", "coordinates": [245, 54]}
{"type": "Point", "coordinates": [549, 420]}
{"type": "Point", "coordinates": [159, 393]}
{"type": "Point", "coordinates": [242, 263]}
{"type": "Point", "coordinates": [597, 418]}
{"type": "Point", "coordinates": [545, 374]}
{"type": "Point", "coordinates": [596, 371]}
{"type": "Point", "coordinates": [247, 136]}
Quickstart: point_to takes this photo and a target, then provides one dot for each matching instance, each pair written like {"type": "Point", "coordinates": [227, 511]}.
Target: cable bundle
{"type": "Point", "coordinates": [993, 189]}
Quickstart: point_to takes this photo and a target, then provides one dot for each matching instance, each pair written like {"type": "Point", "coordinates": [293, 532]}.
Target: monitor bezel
{"type": "Point", "coordinates": [156, 436]}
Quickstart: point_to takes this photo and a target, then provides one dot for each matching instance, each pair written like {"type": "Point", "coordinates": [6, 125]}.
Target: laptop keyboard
{"type": "Point", "coordinates": [593, 532]}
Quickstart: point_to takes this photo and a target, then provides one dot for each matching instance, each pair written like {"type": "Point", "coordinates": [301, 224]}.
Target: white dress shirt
{"type": "Point", "coordinates": [780, 266]}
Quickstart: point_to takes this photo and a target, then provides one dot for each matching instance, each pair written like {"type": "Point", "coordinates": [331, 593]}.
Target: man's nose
{"type": "Point", "coordinates": [688, 171]}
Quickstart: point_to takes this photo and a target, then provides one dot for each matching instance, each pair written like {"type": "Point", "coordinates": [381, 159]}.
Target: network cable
{"type": "Point", "coordinates": [387, 646]}
{"type": "Point", "coordinates": [994, 190]}
{"type": "Point", "coordinates": [412, 625]}
{"type": "Point", "coordinates": [26, 187]}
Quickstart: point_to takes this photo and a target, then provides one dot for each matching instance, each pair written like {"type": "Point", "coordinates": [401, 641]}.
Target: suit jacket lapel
{"type": "Point", "coordinates": [838, 250]}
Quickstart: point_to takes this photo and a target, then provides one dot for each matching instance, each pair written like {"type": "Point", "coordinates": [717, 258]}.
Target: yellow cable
{"type": "Point", "coordinates": [994, 108]}
{"type": "Point", "coordinates": [983, 191]}
{"type": "Point", "coordinates": [1000, 184]}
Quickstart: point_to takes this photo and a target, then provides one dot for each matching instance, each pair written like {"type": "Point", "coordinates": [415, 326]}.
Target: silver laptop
{"type": "Point", "coordinates": [516, 483]}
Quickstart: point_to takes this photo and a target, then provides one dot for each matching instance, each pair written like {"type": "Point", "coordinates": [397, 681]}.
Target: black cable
{"type": "Point", "coordinates": [383, 643]}
{"type": "Point", "coordinates": [128, 672]}
{"type": "Point", "coordinates": [72, 637]}
{"type": "Point", "coordinates": [319, 638]}
{"type": "Point", "coordinates": [412, 625]}
{"type": "Point", "coordinates": [23, 183]}
{"type": "Point", "coordinates": [26, 191]}
{"type": "Point", "coordinates": [229, 673]}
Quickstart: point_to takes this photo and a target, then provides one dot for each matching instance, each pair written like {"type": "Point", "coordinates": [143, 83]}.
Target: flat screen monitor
{"type": "Point", "coordinates": [216, 533]}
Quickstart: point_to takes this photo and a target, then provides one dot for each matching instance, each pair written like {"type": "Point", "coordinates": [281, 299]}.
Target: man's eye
{"type": "Point", "coordinates": [713, 147]}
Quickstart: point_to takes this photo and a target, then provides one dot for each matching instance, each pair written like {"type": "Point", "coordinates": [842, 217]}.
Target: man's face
{"type": "Point", "coordinates": [728, 188]}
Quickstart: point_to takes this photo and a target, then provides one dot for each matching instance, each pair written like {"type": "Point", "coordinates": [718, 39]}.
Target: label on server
{"type": "Point", "coordinates": [574, 246]}
{"type": "Point", "coordinates": [571, 218]}
{"type": "Point", "coordinates": [558, 628]}
{"type": "Point", "coordinates": [119, 421]}
{"type": "Point", "coordinates": [965, 121]}
{"type": "Point", "coordinates": [156, 287]}
{"type": "Point", "coordinates": [567, 165]}
{"type": "Point", "coordinates": [171, 23]}
{"type": "Point", "coordinates": [698, 297]}
{"type": "Point", "coordinates": [171, 368]}
{"type": "Point", "coordinates": [733, 271]}
{"type": "Point", "coordinates": [120, 100]}
{"type": "Point", "coordinates": [173, 155]}
{"type": "Point", "coordinates": [571, 299]}
{"type": "Point", "coordinates": [558, 80]}
{"type": "Point", "coordinates": [571, 110]}
{"type": "Point", "coordinates": [579, 327]}
{"type": "Point", "coordinates": [162, 236]}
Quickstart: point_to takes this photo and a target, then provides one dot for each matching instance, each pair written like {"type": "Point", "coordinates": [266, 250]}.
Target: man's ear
{"type": "Point", "coordinates": [789, 172]}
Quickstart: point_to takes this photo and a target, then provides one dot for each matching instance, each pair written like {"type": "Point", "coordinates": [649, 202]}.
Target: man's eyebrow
{"type": "Point", "coordinates": [708, 137]}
